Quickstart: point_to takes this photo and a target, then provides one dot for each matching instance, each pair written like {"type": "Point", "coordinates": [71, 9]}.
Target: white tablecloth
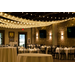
{"type": "Point", "coordinates": [8, 54]}
{"type": "Point", "coordinates": [34, 57]}
{"type": "Point", "coordinates": [30, 50]}
{"type": "Point", "coordinates": [66, 50]}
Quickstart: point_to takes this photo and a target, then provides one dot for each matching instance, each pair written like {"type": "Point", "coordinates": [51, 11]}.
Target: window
{"type": "Point", "coordinates": [1, 37]}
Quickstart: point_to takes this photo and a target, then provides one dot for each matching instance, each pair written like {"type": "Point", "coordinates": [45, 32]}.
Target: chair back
{"type": "Point", "coordinates": [42, 48]}
{"type": "Point", "coordinates": [53, 49]}
{"type": "Point", "coordinates": [61, 50]}
{"type": "Point", "coordinates": [72, 50]}
{"type": "Point", "coordinates": [32, 47]}
{"type": "Point", "coordinates": [49, 49]}
{"type": "Point", "coordinates": [39, 47]}
{"type": "Point", "coordinates": [45, 48]}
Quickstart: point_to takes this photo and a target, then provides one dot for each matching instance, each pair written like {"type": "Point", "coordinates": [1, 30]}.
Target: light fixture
{"type": "Point", "coordinates": [50, 35]}
{"type": "Point", "coordinates": [36, 35]}
{"type": "Point", "coordinates": [61, 35]}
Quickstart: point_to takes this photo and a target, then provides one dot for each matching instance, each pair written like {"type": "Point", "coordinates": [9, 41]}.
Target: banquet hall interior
{"type": "Point", "coordinates": [37, 36]}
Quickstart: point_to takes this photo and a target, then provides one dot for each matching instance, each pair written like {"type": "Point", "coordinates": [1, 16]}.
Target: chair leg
{"type": "Point", "coordinates": [57, 56]}
{"type": "Point", "coordinates": [68, 57]}
{"type": "Point", "coordinates": [60, 56]}
{"type": "Point", "coordinates": [72, 57]}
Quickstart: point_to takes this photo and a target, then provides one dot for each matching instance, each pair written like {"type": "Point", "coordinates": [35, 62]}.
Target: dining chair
{"type": "Point", "coordinates": [49, 50]}
{"type": "Point", "coordinates": [43, 50]}
{"type": "Point", "coordinates": [62, 54]}
{"type": "Point", "coordinates": [71, 54]}
{"type": "Point", "coordinates": [74, 51]}
{"type": "Point", "coordinates": [56, 54]}
{"type": "Point", "coordinates": [53, 51]}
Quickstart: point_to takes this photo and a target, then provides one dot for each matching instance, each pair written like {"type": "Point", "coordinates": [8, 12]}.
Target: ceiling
{"type": "Point", "coordinates": [43, 16]}
{"type": "Point", "coordinates": [33, 19]}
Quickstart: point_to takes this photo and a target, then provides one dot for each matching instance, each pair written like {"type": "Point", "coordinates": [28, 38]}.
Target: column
{"type": "Point", "coordinates": [32, 37]}
{"type": "Point", "coordinates": [54, 34]}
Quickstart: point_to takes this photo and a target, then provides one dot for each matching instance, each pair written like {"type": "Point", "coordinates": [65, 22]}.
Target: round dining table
{"type": "Point", "coordinates": [34, 57]}
{"type": "Point", "coordinates": [8, 54]}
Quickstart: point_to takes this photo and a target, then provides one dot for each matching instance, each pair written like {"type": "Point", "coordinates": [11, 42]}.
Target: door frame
{"type": "Point", "coordinates": [3, 31]}
{"type": "Point", "coordinates": [25, 37]}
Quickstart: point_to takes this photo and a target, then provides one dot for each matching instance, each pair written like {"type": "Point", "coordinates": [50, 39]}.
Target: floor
{"type": "Point", "coordinates": [57, 60]}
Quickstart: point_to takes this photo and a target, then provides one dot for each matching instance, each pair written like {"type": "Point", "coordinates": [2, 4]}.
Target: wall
{"type": "Point", "coordinates": [55, 31]}
{"type": "Point", "coordinates": [54, 34]}
{"type": "Point", "coordinates": [16, 34]}
{"type": "Point", "coordinates": [47, 40]}
{"type": "Point", "coordinates": [62, 28]}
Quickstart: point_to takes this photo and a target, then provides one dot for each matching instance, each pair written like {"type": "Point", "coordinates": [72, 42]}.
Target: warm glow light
{"type": "Point", "coordinates": [36, 35]}
{"type": "Point", "coordinates": [62, 35]}
{"type": "Point", "coordinates": [50, 35]}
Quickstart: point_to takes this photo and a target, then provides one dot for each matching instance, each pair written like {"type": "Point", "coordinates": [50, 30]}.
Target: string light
{"type": "Point", "coordinates": [30, 22]}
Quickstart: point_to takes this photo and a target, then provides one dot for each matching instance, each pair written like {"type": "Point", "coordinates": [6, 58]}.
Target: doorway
{"type": "Point", "coordinates": [22, 39]}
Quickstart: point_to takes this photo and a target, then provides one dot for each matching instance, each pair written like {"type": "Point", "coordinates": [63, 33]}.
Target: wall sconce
{"type": "Point", "coordinates": [37, 35]}
{"type": "Point", "coordinates": [50, 35]}
{"type": "Point", "coordinates": [61, 35]}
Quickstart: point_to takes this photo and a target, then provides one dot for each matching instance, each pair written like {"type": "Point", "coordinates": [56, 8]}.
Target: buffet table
{"type": "Point", "coordinates": [8, 54]}
{"type": "Point", "coordinates": [34, 57]}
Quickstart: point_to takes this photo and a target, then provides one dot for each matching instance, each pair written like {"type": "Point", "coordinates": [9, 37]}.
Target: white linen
{"type": "Point", "coordinates": [30, 50]}
{"type": "Point", "coordinates": [13, 43]}
{"type": "Point", "coordinates": [35, 49]}
{"type": "Point", "coordinates": [8, 54]}
{"type": "Point", "coordinates": [34, 57]}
